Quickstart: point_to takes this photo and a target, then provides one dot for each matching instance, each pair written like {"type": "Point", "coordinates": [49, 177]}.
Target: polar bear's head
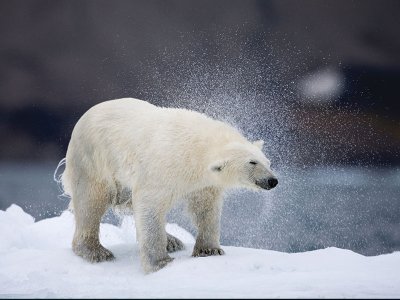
{"type": "Point", "coordinates": [243, 164]}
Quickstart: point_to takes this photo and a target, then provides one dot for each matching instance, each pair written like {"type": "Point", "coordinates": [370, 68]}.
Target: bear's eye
{"type": "Point", "coordinates": [217, 168]}
{"type": "Point", "coordinates": [253, 162]}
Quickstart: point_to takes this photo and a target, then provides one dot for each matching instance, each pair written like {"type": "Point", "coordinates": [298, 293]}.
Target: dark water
{"type": "Point", "coordinates": [352, 208]}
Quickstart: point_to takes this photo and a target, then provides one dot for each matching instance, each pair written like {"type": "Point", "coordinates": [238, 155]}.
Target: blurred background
{"type": "Point", "coordinates": [317, 80]}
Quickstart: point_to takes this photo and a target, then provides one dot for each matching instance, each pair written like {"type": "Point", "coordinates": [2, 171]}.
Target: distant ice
{"type": "Point", "coordinates": [36, 261]}
{"type": "Point", "coordinates": [322, 86]}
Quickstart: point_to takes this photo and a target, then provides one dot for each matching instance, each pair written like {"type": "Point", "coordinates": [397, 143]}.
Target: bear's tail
{"type": "Point", "coordinates": [63, 183]}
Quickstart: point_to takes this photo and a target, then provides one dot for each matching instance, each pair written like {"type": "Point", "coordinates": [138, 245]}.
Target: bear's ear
{"type": "Point", "coordinates": [217, 166]}
{"type": "Point", "coordinates": [259, 144]}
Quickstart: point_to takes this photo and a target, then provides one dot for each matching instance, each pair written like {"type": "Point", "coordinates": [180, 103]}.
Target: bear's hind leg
{"type": "Point", "coordinates": [174, 244]}
{"type": "Point", "coordinates": [90, 203]}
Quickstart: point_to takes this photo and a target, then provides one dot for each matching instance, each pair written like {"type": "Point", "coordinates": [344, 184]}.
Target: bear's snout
{"type": "Point", "coordinates": [267, 183]}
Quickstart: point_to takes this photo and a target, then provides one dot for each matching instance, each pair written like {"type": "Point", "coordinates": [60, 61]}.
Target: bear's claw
{"type": "Point", "coordinates": [101, 255]}
{"type": "Point", "coordinates": [207, 252]}
{"type": "Point", "coordinates": [94, 255]}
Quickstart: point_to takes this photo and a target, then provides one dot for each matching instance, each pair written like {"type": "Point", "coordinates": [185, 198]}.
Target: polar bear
{"type": "Point", "coordinates": [130, 152]}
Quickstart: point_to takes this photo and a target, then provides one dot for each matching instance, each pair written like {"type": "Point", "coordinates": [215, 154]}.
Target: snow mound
{"type": "Point", "coordinates": [36, 261]}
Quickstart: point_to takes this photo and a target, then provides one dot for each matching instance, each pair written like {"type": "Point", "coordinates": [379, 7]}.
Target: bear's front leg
{"type": "Point", "coordinates": [152, 238]}
{"type": "Point", "coordinates": [206, 206]}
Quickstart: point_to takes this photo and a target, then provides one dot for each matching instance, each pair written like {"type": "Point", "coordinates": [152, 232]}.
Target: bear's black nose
{"type": "Point", "coordinates": [272, 182]}
{"type": "Point", "coordinates": [267, 183]}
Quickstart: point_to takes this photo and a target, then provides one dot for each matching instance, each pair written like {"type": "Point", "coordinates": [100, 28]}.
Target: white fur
{"type": "Point", "coordinates": [130, 151]}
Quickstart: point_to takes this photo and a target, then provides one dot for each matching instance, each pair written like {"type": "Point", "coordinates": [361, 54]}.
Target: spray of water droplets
{"type": "Point", "coordinates": [256, 89]}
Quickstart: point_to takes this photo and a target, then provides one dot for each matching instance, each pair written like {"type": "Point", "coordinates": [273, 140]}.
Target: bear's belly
{"type": "Point", "coordinates": [121, 200]}
{"type": "Point", "coordinates": [123, 195]}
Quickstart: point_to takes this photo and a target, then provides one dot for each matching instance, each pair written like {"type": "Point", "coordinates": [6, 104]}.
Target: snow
{"type": "Point", "coordinates": [36, 261]}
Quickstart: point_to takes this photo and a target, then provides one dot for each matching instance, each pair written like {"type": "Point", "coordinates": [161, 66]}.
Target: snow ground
{"type": "Point", "coordinates": [36, 261]}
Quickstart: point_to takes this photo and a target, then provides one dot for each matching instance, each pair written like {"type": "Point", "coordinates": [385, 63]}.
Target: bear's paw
{"type": "Point", "coordinates": [174, 244]}
{"type": "Point", "coordinates": [202, 252]}
{"type": "Point", "coordinates": [94, 254]}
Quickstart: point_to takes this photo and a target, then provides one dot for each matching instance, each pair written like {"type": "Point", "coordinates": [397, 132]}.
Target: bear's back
{"type": "Point", "coordinates": [142, 116]}
{"type": "Point", "coordinates": [125, 124]}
